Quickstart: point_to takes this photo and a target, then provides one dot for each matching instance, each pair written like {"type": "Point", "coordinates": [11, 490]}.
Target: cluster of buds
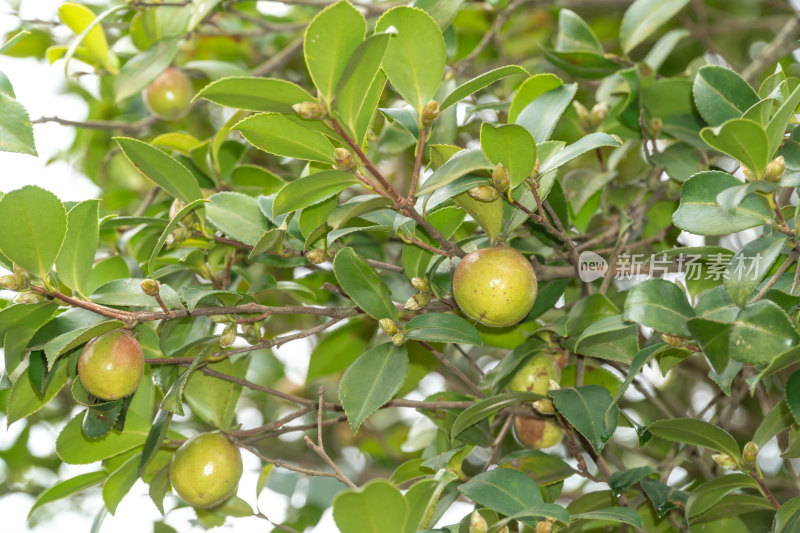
{"type": "Point", "coordinates": [430, 113]}
{"type": "Point", "coordinates": [773, 172]}
{"type": "Point", "coordinates": [546, 407]}
{"type": "Point", "coordinates": [344, 159]}
{"type": "Point", "coordinates": [18, 281]}
{"type": "Point", "coordinates": [500, 178]}
{"type": "Point", "coordinates": [421, 299]}
{"type": "Point", "coordinates": [309, 110]}
{"type": "Point", "coordinates": [590, 120]}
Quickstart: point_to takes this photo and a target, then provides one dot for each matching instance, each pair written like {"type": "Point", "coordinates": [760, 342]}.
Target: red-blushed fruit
{"type": "Point", "coordinates": [205, 470]}
{"type": "Point", "coordinates": [537, 432]}
{"type": "Point", "coordinates": [495, 286]}
{"type": "Point", "coordinates": [169, 95]}
{"type": "Point", "coordinates": [535, 375]}
{"type": "Point", "coordinates": [111, 365]}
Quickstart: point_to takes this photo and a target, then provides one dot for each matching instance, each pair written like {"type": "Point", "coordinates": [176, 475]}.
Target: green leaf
{"type": "Point", "coordinates": [415, 59]}
{"type": "Point", "coordinates": [339, 348]}
{"type": "Point", "coordinates": [541, 115]}
{"type": "Point", "coordinates": [463, 162]}
{"type": "Point", "coordinates": [707, 495]}
{"type": "Point", "coordinates": [590, 410]}
{"type": "Point", "coordinates": [72, 339]}
{"type": "Point", "coordinates": [363, 285]}
{"type": "Point", "coordinates": [311, 190]}
{"type": "Point", "coordinates": [442, 327]}
{"type": "Point", "coordinates": [214, 400]}
{"type": "Point", "coordinates": [611, 339]}
{"type": "Point", "coordinates": [24, 399]}
{"type": "Point", "coordinates": [585, 144]}
{"type": "Point", "coordinates": [512, 146]}
{"type": "Point", "coordinates": [120, 482]}
{"type": "Point", "coordinates": [743, 140]}
{"type": "Point", "coordinates": [16, 131]}
{"type": "Point", "coordinates": [355, 91]}
{"type": "Point", "coordinates": [761, 332]}
{"type": "Point", "coordinates": [620, 481]}
{"type": "Point", "coordinates": [486, 408]}
{"type": "Point", "coordinates": [575, 34]}
{"type": "Point", "coordinates": [749, 266]}
{"type": "Point", "coordinates": [776, 128]}
{"type": "Point", "coordinates": [238, 216]}
{"type": "Point", "coordinates": [163, 169]}
{"type": "Point", "coordinates": [129, 292]}
{"type": "Point", "coordinates": [13, 40]}
{"type": "Point", "coordinates": [503, 490]}
{"type": "Point", "coordinates": [776, 420]}
{"type": "Point", "coordinates": [35, 225]}
{"type": "Point", "coordinates": [81, 20]}
{"type": "Point", "coordinates": [546, 469]}
{"type": "Point", "coordinates": [68, 487]}
{"type": "Point", "coordinates": [76, 258]}
{"type": "Point", "coordinates": [73, 447]}
{"type": "Point", "coordinates": [488, 214]}
{"type": "Point", "coordinates": [378, 507]}
{"type": "Point", "coordinates": [582, 63]}
{"type": "Point", "coordinates": [660, 51]}
{"type": "Point", "coordinates": [330, 40]}
{"type": "Point", "coordinates": [479, 82]}
{"type": "Point", "coordinates": [731, 197]}
{"type": "Point", "coordinates": [643, 18]}
{"type": "Point", "coordinates": [371, 381]}
{"type": "Point", "coordinates": [787, 519]}
{"type": "Point", "coordinates": [700, 213]}
{"type": "Point", "coordinates": [659, 304]}
{"type": "Point", "coordinates": [280, 135]}
{"type": "Point", "coordinates": [721, 94]}
{"type": "Point", "coordinates": [621, 515]}
{"type": "Point", "coordinates": [697, 432]}
{"type": "Point", "coordinates": [255, 94]}
{"type": "Point", "coordinates": [162, 239]}
{"type": "Point", "coordinates": [529, 90]}
{"type": "Point", "coordinates": [173, 399]}
{"type": "Point", "coordinates": [793, 394]}
{"type": "Point", "coordinates": [714, 338]}
{"type": "Point", "coordinates": [145, 67]}
{"type": "Point", "coordinates": [152, 444]}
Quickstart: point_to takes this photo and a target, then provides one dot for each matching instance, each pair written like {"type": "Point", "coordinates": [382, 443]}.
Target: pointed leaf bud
{"type": "Point", "coordinates": [420, 284]}
{"type": "Point", "coordinates": [9, 282]}
{"type": "Point", "coordinates": [228, 336]}
{"type": "Point", "coordinates": [750, 453]}
{"type": "Point", "coordinates": [388, 326]}
{"type": "Point", "coordinates": [656, 125]}
{"type": "Point", "coordinates": [500, 178]}
{"type": "Point", "coordinates": [150, 287]}
{"type": "Point", "coordinates": [598, 114]}
{"type": "Point", "coordinates": [725, 461]}
{"type": "Point", "coordinates": [775, 169]}
{"type": "Point", "coordinates": [583, 113]}
{"type": "Point", "coordinates": [316, 256]}
{"type": "Point", "coordinates": [418, 301]}
{"type": "Point", "coordinates": [477, 523]}
{"type": "Point", "coordinates": [309, 110]}
{"type": "Point", "coordinates": [344, 159]}
{"type": "Point", "coordinates": [398, 338]}
{"type": "Point", "coordinates": [29, 297]}
{"type": "Point", "coordinates": [430, 112]}
{"type": "Point", "coordinates": [484, 193]}
{"type": "Point", "coordinates": [749, 175]}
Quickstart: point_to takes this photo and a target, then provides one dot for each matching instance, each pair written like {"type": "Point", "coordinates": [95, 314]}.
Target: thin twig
{"type": "Point", "coordinates": [454, 369]}
{"type": "Point", "coordinates": [319, 447]}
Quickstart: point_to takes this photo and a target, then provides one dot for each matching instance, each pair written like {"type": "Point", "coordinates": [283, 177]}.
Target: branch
{"type": "Point", "coordinates": [782, 44]}
{"type": "Point", "coordinates": [412, 190]}
{"type": "Point", "coordinates": [319, 447]}
{"type": "Point", "coordinates": [454, 369]}
{"type": "Point", "coordinates": [128, 127]}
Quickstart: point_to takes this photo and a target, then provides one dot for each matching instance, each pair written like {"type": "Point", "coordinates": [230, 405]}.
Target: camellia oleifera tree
{"type": "Point", "coordinates": [450, 189]}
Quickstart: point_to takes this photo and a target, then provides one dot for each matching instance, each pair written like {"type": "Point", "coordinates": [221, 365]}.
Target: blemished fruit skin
{"type": "Point", "coordinates": [495, 286]}
{"type": "Point", "coordinates": [535, 375]}
{"type": "Point", "coordinates": [111, 365]}
{"type": "Point", "coordinates": [537, 433]}
{"type": "Point", "coordinates": [169, 95]}
{"type": "Point", "coordinates": [205, 470]}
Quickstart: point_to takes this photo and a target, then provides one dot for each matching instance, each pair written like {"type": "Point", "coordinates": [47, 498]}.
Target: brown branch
{"type": "Point", "coordinates": [474, 389]}
{"type": "Point", "coordinates": [128, 127]}
{"type": "Point", "coordinates": [319, 447]}
{"type": "Point", "coordinates": [412, 190]}
{"type": "Point", "coordinates": [765, 490]}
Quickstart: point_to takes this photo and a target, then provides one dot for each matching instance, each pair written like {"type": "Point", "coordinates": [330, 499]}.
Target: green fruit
{"type": "Point", "coordinates": [205, 470]}
{"type": "Point", "coordinates": [535, 375]}
{"type": "Point", "coordinates": [495, 286]}
{"type": "Point", "coordinates": [537, 432]}
{"type": "Point", "coordinates": [111, 365]}
{"type": "Point", "coordinates": [169, 96]}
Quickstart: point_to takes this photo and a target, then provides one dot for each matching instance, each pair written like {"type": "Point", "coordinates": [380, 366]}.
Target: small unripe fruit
{"type": "Point", "coordinates": [169, 96]}
{"type": "Point", "coordinates": [536, 375]}
{"type": "Point", "coordinates": [477, 523]}
{"type": "Point", "coordinates": [398, 338]}
{"type": "Point", "coordinates": [750, 453]}
{"type": "Point", "coordinates": [484, 193]}
{"type": "Point", "coordinates": [430, 112]}
{"type": "Point", "coordinates": [598, 114]}
{"type": "Point", "coordinates": [537, 432]}
{"type": "Point", "coordinates": [29, 297]}
{"type": "Point", "coordinates": [500, 178]}
{"type": "Point", "coordinates": [775, 169]}
{"type": "Point", "coordinates": [420, 284]}
{"type": "Point", "coordinates": [309, 110]}
{"type": "Point", "coordinates": [316, 256]}
{"type": "Point", "coordinates": [388, 326]}
{"type": "Point", "coordinates": [418, 301]}
{"type": "Point", "coordinates": [344, 159]}
{"type": "Point", "coordinates": [725, 461]}
{"type": "Point", "coordinates": [150, 287]}
{"type": "Point", "coordinates": [111, 365]}
{"type": "Point", "coordinates": [205, 470]}
{"type": "Point", "coordinates": [228, 336]}
{"type": "Point", "coordinates": [496, 286]}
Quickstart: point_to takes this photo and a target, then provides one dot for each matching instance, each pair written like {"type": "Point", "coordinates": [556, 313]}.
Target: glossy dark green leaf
{"type": "Point", "coordinates": [66, 488]}
{"type": "Point", "coordinates": [280, 135]}
{"type": "Point", "coordinates": [363, 285]}
{"type": "Point", "coordinates": [512, 146]}
{"type": "Point", "coordinates": [590, 410]}
{"type": "Point", "coordinates": [749, 266]}
{"type": "Point", "coordinates": [480, 82]}
{"type": "Point", "coordinates": [503, 490]}
{"type": "Point", "coordinates": [707, 495]}
{"type": "Point", "coordinates": [644, 17]}
{"type": "Point", "coordinates": [167, 172]}
{"type": "Point", "coordinates": [714, 338]}
{"type": "Point", "coordinates": [697, 432]}
{"type": "Point", "coordinates": [488, 407]}
{"type": "Point", "coordinates": [237, 215]}
{"type": "Point", "coordinates": [311, 190]}
{"type": "Point", "coordinates": [442, 327]}
{"type": "Point", "coordinates": [610, 338]}
{"type": "Point", "coordinates": [377, 507]}
{"type": "Point", "coordinates": [76, 258]}
{"type": "Point", "coordinates": [620, 515]}
{"type": "Point", "coordinates": [541, 115]}
{"type": "Point", "coordinates": [743, 140]}
{"type": "Point", "coordinates": [255, 94]}
{"type": "Point", "coordinates": [463, 162]}
{"type": "Point", "coordinates": [776, 420]}
{"type": "Point", "coordinates": [761, 332]}
{"type": "Point", "coordinates": [659, 304]}
{"type": "Point", "coordinates": [721, 94]}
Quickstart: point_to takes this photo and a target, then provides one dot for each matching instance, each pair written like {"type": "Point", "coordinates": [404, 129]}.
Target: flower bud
{"type": "Point", "coordinates": [545, 407]}
{"type": "Point", "coordinates": [503, 529]}
{"type": "Point", "coordinates": [178, 235]}
{"type": "Point", "coordinates": [750, 453]}
{"type": "Point", "coordinates": [398, 338]}
{"type": "Point", "coordinates": [749, 175]}
{"type": "Point", "coordinates": [316, 256]}
{"type": "Point", "coordinates": [500, 178]}
{"type": "Point", "coordinates": [545, 526]}
{"type": "Point", "coordinates": [29, 297]}
{"type": "Point", "coordinates": [672, 340]}
{"type": "Point", "coordinates": [484, 193]}
{"type": "Point", "coordinates": [775, 169]}
{"type": "Point", "coordinates": [150, 287]}
{"type": "Point", "coordinates": [9, 282]}
{"type": "Point", "coordinates": [228, 336]}
{"type": "Point", "coordinates": [430, 112]}
{"type": "Point", "coordinates": [388, 326]}
{"type": "Point", "coordinates": [420, 284]}
{"type": "Point", "coordinates": [535, 171]}
{"type": "Point", "coordinates": [656, 125]}
{"type": "Point", "coordinates": [725, 461]}
{"type": "Point", "coordinates": [418, 301]}
{"type": "Point", "coordinates": [251, 332]}
{"type": "Point", "coordinates": [598, 114]}
{"type": "Point", "coordinates": [477, 523]}
{"type": "Point", "coordinates": [344, 159]}
{"type": "Point", "coordinates": [583, 113]}
{"type": "Point", "coordinates": [309, 110]}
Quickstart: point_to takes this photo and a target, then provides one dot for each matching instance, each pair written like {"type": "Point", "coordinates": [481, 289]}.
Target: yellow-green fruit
{"type": "Point", "coordinates": [537, 432]}
{"type": "Point", "coordinates": [535, 376]}
{"type": "Point", "coordinates": [169, 95]}
{"type": "Point", "coordinates": [111, 365]}
{"type": "Point", "coordinates": [205, 470]}
{"type": "Point", "coordinates": [496, 286]}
